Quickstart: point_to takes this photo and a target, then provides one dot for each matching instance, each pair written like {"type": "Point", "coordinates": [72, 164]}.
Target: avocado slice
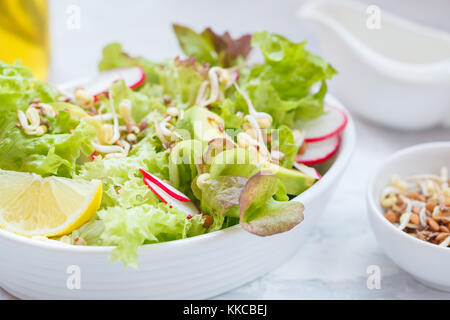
{"type": "Point", "coordinates": [239, 162]}
{"type": "Point", "coordinates": [295, 181]}
{"type": "Point", "coordinates": [233, 162]}
{"type": "Point", "coordinates": [202, 124]}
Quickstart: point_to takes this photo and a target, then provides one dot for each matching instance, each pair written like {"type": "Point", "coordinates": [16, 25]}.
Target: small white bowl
{"type": "Point", "coordinates": [193, 268]}
{"type": "Point", "coordinates": [428, 263]}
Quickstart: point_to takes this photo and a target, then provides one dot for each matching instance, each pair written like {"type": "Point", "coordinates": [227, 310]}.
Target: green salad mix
{"type": "Point", "coordinates": [216, 128]}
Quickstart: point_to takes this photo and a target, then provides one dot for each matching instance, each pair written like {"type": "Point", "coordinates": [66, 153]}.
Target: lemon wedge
{"type": "Point", "coordinates": [34, 206]}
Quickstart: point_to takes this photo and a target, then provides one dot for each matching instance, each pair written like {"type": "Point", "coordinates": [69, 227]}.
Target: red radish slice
{"type": "Point", "coordinates": [171, 191]}
{"type": "Point", "coordinates": [320, 151]}
{"type": "Point", "coordinates": [133, 77]}
{"type": "Point", "coordinates": [328, 125]}
{"type": "Point", "coordinates": [309, 171]}
{"type": "Point", "coordinates": [187, 207]}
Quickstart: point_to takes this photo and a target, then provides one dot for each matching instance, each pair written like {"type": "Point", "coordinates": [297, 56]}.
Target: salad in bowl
{"type": "Point", "coordinates": [151, 152]}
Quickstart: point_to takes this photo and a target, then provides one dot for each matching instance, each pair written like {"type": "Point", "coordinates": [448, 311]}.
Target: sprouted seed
{"type": "Point", "coordinates": [420, 206]}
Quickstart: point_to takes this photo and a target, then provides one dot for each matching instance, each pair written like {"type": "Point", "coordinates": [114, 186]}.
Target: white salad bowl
{"type": "Point", "coordinates": [193, 268]}
{"type": "Point", "coordinates": [428, 263]}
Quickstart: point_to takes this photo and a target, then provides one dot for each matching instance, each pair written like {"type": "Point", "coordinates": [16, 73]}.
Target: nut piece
{"type": "Point", "coordinates": [391, 216]}
{"type": "Point", "coordinates": [415, 196]}
{"type": "Point", "coordinates": [433, 224]}
{"type": "Point", "coordinates": [208, 221]}
{"type": "Point", "coordinates": [442, 236]}
{"type": "Point", "coordinates": [302, 149]}
{"type": "Point", "coordinates": [414, 219]}
{"type": "Point", "coordinates": [430, 205]}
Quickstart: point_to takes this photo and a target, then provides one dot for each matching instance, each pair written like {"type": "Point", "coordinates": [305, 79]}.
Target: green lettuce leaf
{"type": "Point", "coordinates": [91, 232]}
{"type": "Point", "coordinates": [18, 88]}
{"type": "Point", "coordinates": [227, 110]}
{"type": "Point", "coordinates": [284, 85]}
{"type": "Point", "coordinates": [181, 80]}
{"type": "Point", "coordinates": [127, 229]}
{"type": "Point", "coordinates": [50, 154]}
{"type": "Point", "coordinates": [142, 104]}
{"type": "Point", "coordinates": [122, 182]}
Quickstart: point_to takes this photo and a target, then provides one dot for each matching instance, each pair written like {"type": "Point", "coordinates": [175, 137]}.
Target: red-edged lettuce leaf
{"type": "Point", "coordinates": [220, 198]}
{"type": "Point", "coordinates": [208, 46]}
{"type": "Point", "coordinates": [260, 213]}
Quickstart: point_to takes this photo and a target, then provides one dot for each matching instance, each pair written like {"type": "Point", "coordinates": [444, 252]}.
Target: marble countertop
{"type": "Point", "coordinates": [333, 263]}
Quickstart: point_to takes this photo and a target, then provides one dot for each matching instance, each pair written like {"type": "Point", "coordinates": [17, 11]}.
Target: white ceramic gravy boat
{"type": "Point", "coordinates": [397, 75]}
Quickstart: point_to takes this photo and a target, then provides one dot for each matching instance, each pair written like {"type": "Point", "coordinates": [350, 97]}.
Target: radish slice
{"type": "Point", "coordinates": [133, 77]}
{"type": "Point", "coordinates": [318, 152]}
{"type": "Point", "coordinates": [309, 171]}
{"type": "Point", "coordinates": [328, 125]}
{"type": "Point", "coordinates": [171, 191]}
{"type": "Point", "coordinates": [188, 207]}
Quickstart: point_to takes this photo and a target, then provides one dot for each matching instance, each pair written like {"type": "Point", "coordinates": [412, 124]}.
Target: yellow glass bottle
{"type": "Point", "coordinates": [24, 34]}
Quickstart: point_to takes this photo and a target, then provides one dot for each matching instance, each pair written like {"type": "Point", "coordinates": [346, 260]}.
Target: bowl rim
{"type": "Point", "coordinates": [340, 163]}
{"type": "Point", "coordinates": [373, 202]}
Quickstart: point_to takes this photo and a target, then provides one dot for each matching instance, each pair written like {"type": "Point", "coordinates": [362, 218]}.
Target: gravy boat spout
{"type": "Point", "coordinates": [391, 71]}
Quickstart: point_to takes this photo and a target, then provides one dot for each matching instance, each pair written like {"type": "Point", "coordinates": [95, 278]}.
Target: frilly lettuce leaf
{"type": "Point", "coordinates": [292, 69]}
{"type": "Point", "coordinates": [227, 110]}
{"type": "Point", "coordinates": [142, 104]}
{"type": "Point", "coordinates": [212, 48]}
{"type": "Point", "coordinates": [180, 80]}
{"type": "Point", "coordinates": [127, 229]}
{"type": "Point", "coordinates": [52, 153]}
{"type": "Point", "coordinates": [283, 85]}
{"type": "Point", "coordinates": [260, 213]}
{"type": "Point", "coordinates": [122, 181]}
{"type": "Point", "coordinates": [18, 88]}
{"type": "Point", "coordinates": [90, 232]}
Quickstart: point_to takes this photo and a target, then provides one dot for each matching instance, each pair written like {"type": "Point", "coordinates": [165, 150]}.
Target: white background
{"type": "Point", "coordinates": [333, 263]}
